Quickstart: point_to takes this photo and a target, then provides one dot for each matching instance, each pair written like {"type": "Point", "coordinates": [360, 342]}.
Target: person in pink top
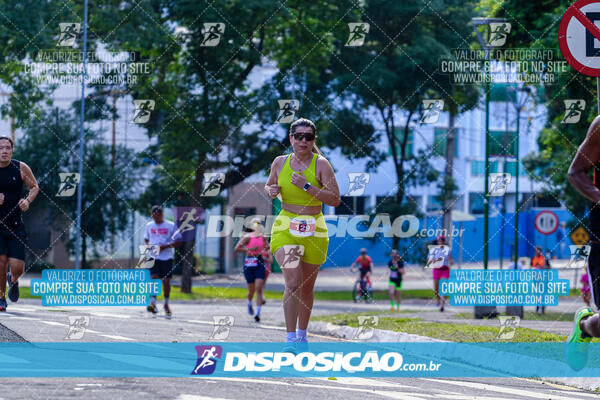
{"type": "Point", "coordinates": [253, 244]}
{"type": "Point", "coordinates": [441, 260]}
{"type": "Point", "coordinates": [586, 293]}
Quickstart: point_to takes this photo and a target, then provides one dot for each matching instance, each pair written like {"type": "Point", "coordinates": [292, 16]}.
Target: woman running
{"type": "Point", "coordinates": [299, 239]}
{"type": "Point", "coordinates": [396, 266]}
{"type": "Point", "coordinates": [441, 259]}
{"type": "Point", "coordinates": [253, 244]}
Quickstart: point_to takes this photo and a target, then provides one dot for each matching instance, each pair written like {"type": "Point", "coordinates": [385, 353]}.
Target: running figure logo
{"type": "Point", "coordinates": [212, 183]}
{"type": "Point", "coordinates": [573, 110]}
{"type": "Point", "coordinates": [508, 326]}
{"type": "Point", "coordinates": [212, 33]}
{"type": "Point", "coordinates": [77, 326]}
{"type": "Point", "coordinates": [222, 327]}
{"type": "Point", "coordinates": [287, 110]}
{"type": "Point", "coordinates": [366, 327]}
{"type": "Point", "coordinates": [147, 256]}
{"type": "Point", "coordinates": [499, 183]}
{"type": "Point", "coordinates": [431, 111]}
{"type": "Point", "coordinates": [358, 32]}
{"type": "Point", "coordinates": [437, 255]}
{"type": "Point", "coordinates": [579, 255]}
{"type": "Point", "coordinates": [187, 221]}
{"type": "Point", "coordinates": [68, 33]}
{"type": "Point", "coordinates": [498, 33]}
{"type": "Point", "coordinates": [358, 183]}
{"type": "Point", "coordinates": [68, 184]}
{"type": "Point", "coordinates": [207, 359]}
{"type": "Point", "coordinates": [143, 109]}
{"type": "Point", "coordinates": [293, 255]}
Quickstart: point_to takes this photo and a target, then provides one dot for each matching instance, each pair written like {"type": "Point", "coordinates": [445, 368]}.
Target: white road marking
{"type": "Point", "coordinates": [52, 323]}
{"type": "Point", "coordinates": [115, 337]}
{"type": "Point", "coordinates": [507, 390]}
{"type": "Point", "coordinates": [101, 314]}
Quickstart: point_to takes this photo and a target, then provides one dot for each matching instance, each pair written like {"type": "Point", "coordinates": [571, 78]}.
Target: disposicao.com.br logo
{"type": "Point", "coordinates": [327, 361]}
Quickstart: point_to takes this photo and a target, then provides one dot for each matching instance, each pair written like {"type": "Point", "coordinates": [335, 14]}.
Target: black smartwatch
{"type": "Point", "coordinates": [307, 186]}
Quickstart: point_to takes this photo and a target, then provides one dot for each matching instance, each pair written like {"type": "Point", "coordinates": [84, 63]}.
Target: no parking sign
{"type": "Point", "coordinates": [546, 222]}
{"type": "Point", "coordinates": [579, 37]}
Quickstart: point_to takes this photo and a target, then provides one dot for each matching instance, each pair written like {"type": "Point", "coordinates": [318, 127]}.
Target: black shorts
{"type": "Point", "coordinates": [593, 269]}
{"type": "Point", "coordinates": [12, 243]}
{"type": "Point", "coordinates": [397, 282]}
{"type": "Point", "coordinates": [253, 273]}
{"type": "Point", "coordinates": [162, 268]}
{"type": "Point", "coordinates": [256, 270]}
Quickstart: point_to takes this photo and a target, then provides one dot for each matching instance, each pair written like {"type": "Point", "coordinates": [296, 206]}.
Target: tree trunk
{"type": "Point", "coordinates": [187, 248]}
{"type": "Point", "coordinates": [448, 178]}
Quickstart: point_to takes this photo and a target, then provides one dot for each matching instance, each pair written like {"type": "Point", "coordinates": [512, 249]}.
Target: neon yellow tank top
{"type": "Point", "coordinates": [292, 194]}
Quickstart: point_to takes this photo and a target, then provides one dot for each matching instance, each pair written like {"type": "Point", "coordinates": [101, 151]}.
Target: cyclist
{"type": "Point", "coordinates": [366, 269]}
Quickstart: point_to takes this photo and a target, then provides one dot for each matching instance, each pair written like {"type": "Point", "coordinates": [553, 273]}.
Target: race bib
{"type": "Point", "coordinates": [251, 262]}
{"type": "Point", "coordinates": [393, 274]}
{"type": "Point", "coordinates": [303, 226]}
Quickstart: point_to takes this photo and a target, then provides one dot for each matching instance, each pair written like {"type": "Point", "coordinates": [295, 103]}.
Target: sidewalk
{"type": "Point", "coordinates": [339, 279]}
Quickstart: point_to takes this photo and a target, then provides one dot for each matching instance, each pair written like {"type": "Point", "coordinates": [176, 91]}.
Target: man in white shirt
{"type": "Point", "coordinates": [163, 236]}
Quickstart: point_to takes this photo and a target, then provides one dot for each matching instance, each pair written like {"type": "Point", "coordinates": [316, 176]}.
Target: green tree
{"type": "Point", "coordinates": [384, 82]}
{"type": "Point", "coordinates": [204, 95]}
{"type": "Point", "coordinates": [536, 26]}
{"type": "Point", "coordinates": [107, 193]}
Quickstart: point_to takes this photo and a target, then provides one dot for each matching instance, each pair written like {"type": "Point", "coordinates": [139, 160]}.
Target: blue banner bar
{"type": "Point", "coordinates": [242, 359]}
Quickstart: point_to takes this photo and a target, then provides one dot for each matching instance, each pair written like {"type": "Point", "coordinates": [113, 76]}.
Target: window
{"type": "Point", "coordinates": [458, 202]}
{"type": "Point", "coordinates": [439, 141]}
{"type": "Point", "coordinates": [510, 167]}
{"type": "Point", "coordinates": [546, 200]}
{"type": "Point", "coordinates": [351, 205]}
{"type": "Point", "coordinates": [503, 92]}
{"type": "Point", "coordinates": [433, 203]}
{"type": "Point", "coordinates": [476, 203]}
{"type": "Point", "coordinates": [399, 131]}
{"type": "Point", "coordinates": [478, 167]}
{"type": "Point", "coordinates": [502, 143]}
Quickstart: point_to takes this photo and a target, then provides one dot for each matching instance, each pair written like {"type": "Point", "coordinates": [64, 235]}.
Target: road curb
{"type": "Point", "coordinates": [380, 335]}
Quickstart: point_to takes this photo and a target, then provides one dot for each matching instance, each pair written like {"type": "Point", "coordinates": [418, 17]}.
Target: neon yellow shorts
{"type": "Point", "coordinates": [309, 231]}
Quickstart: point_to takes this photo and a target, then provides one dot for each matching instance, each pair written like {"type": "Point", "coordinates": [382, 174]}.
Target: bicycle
{"type": "Point", "coordinates": [362, 289]}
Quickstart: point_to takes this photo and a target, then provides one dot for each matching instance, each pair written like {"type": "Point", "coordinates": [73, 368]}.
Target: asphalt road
{"type": "Point", "coordinates": [193, 322]}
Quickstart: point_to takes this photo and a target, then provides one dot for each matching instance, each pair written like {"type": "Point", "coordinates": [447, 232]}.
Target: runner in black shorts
{"type": "Point", "coordinates": [587, 323]}
{"type": "Point", "coordinates": [396, 266]}
{"type": "Point", "coordinates": [162, 237]}
{"type": "Point", "coordinates": [13, 174]}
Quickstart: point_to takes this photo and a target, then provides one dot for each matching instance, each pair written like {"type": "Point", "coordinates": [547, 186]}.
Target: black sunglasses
{"type": "Point", "coordinates": [304, 135]}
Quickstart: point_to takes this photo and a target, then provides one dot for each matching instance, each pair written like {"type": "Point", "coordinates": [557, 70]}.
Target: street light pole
{"type": "Point", "coordinates": [483, 311]}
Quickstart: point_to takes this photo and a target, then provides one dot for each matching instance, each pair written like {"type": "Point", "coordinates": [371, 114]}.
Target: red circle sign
{"type": "Point", "coordinates": [579, 37]}
{"type": "Point", "coordinates": [546, 222]}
